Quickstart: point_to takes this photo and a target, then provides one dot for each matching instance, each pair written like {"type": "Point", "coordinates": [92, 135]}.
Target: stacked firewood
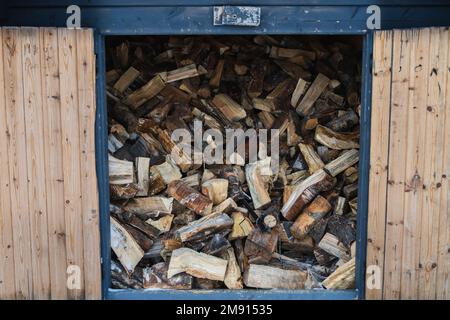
{"type": "Point", "coordinates": [197, 226]}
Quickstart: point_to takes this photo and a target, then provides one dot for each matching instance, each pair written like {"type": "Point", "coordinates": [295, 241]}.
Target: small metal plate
{"type": "Point", "coordinates": [237, 16]}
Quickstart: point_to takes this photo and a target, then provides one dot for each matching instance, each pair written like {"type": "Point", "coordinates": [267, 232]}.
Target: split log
{"type": "Point", "coordinates": [125, 247]}
{"type": "Point", "coordinates": [266, 277]}
{"type": "Point", "coordinates": [163, 174]}
{"type": "Point", "coordinates": [299, 91]}
{"type": "Point", "coordinates": [217, 76]}
{"type": "Point", "coordinates": [120, 171]}
{"type": "Point", "coordinates": [345, 122]}
{"type": "Point", "coordinates": [350, 191]}
{"type": "Point", "coordinates": [142, 167]}
{"type": "Point", "coordinates": [242, 226]}
{"type": "Point", "coordinates": [163, 224]}
{"type": "Point", "coordinates": [342, 278]}
{"type": "Point", "coordinates": [335, 140]}
{"type": "Point", "coordinates": [331, 244]}
{"type": "Point", "coordinates": [233, 277]}
{"type": "Point", "coordinates": [344, 161]}
{"type": "Point", "coordinates": [156, 277]}
{"type": "Point", "coordinates": [216, 190]}
{"type": "Point", "coordinates": [339, 206]}
{"type": "Point", "coordinates": [185, 72]}
{"type": "Point", "coordinates": [315, 211]}
{"type": "Point", "coordinates": [145, 93]}
{"type": "Point", "coordinates": [123, 191]}
{"type": "Point", "coordinates": [178, 155]}
{"type": "Point", "coordinates": [197, 264]}
{"type": "Point", "coordinates": [227, 206]}
{"type": "Point", "coordinates": [259, 245]}
{"type": "Point", "coordinates": [305, 192]}
{"type": "Point", "coordinates": [149, 205]}
{"type": "Point", "coordinates": [258, 191]}
{"type": "Point", "coordinates": [189, 197]}
{"type": "Point", "coordinates": [216, 245]}
{"type": "Point", "coordinates": [311, 157]}
{"type": "Point", "coordinates": [202, 228]}
{"type": "Point", "coordinates": [125, 80]}
{"type": "Point", "coordinates": [313, 93]}
{"type": "Point", "coordinates": [228, 107]}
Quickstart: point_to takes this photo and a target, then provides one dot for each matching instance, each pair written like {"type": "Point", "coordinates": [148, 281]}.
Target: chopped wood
{"type": "Point", "coordinates": [216, 190]}
{"type": "Point", "coordinates": [304, 91]}
{"type": "Point", "coordinates": [197, 264]}
{"type": "Point", "coordinates": [189, 197]}
{"type": "Point", "coordinates": [233, 276]}
{"type": "Point", "coordinates": [342, 278]}
{"type": "Point", "coordinates": [255, 181]}
{"type": "Point", "coordinates": [126, 79]}
{"type": "Point", "coordinates": [260, 245]}
{"type": "Point", "coordinates": [163, 224]}
{"type": "Point", "coordinates": [125, 247]}
{"type": "Point", "coordinates": [331, 244]}
{"type": "Point", "coordinates": [215, 79]}
{"type": "Point", "coordinates": [123, 191]}
{"type": "Point", "coordinates": [315, 211]}
{"type": "Point", "coordinates": [266, 277]}
{"type": "Point", "coordinates": [299, 91]}
{"type": "Point", "coordinates": [185, 72]}
{"type": "Point", "coordinates": [305, 192]}
{"type": "Point", "coordinates": [142, 167]}
{"type": "Point", "coordinates": [150, 204]}
{"type": "Point", "coordinates": [311, 157]}
{"type": "Point", "coordinates": [202, 228]}
{"type": "Point", "coordinates": [120, 171]}
{"type": "Point", "coordinates": [335, 140]}
{"type": "Point", "coordinates": [313, 93]}
{"type": "Point", "coordinates": [145, 93]}
{"type": "Point", "coordinates": [229, 108]}
{"type": "Point", "coordinates": [344, 161]}
{"type": "Point", "coordinates": [242, 226]}
{"type": "Point", "coordinates": [156, 277]}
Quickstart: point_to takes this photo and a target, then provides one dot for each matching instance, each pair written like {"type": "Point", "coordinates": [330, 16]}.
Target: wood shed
{"type": "Point", "coordinates": [346, 197]}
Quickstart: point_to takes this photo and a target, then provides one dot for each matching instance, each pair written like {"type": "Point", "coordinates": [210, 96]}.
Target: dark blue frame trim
{"type": "Point", "coordinates": [102, 174]}
{"type": "Point", "coordinates": [101, 159]}
{"type": "Point", "coordinates": [364, 165]}
{"type": "Point", "coordinates": [115, 294]}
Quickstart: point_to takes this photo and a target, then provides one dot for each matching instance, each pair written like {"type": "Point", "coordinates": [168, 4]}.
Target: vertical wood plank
{"type": "Point", "coordinates": [53, 162]}
{"type": "Point", "coordinates": [17, 155]}
{"type": "Point", "coordinates": [86, 89]}
{"type": "Point", "coordinates": [416, 112]}
{"type": "Point", "coordinates": [443, 264]}
{"type": "Point", "coordinates": [379, 151]}
{"type": "Point", "coordinates": [7, 285]}
{"type": "Point", "coordinates": [432, 174]}
{"type": "Point", "coordinates": [397, 159]}
{"type": "Point", "coordinates": [35, 161]}
{"type": "Point", "coordinates": [67, 55]}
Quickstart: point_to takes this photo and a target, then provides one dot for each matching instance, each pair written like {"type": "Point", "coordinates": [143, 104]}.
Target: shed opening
{"type": "Point", "coordinates": [233, 161]}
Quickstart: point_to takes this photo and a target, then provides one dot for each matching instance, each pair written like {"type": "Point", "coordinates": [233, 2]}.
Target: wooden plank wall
{"type": "Point", "coordinates": [409, 193]}
{"type": "Point", "coordinates": [49, 224]}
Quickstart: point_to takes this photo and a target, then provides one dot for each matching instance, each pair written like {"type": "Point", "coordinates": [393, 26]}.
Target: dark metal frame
{"type": "Point", "coordinates": [102, 173]}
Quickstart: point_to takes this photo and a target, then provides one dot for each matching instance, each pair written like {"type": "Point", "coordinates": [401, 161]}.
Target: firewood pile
{"type": "Point", "coordinates": [185, 225]}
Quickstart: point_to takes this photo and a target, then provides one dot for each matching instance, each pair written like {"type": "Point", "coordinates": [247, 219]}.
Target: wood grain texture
{"type": "Point", "coordinates": [17, 155]}
{"type": "Point", "coordinates": [413, 225]}
{"type": "Point", "coordinates": [379, 154]}
{"type": "Point", "coordinates": [32, 93]}
{"type": "Point", "coordinates": [48, 183]}
{"type": "Point", "coordinates": [53, 161]}
{"type": "Point", "coordinates": [397, 160]}
{"type": "Point", "coordinates": [7, 272]}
